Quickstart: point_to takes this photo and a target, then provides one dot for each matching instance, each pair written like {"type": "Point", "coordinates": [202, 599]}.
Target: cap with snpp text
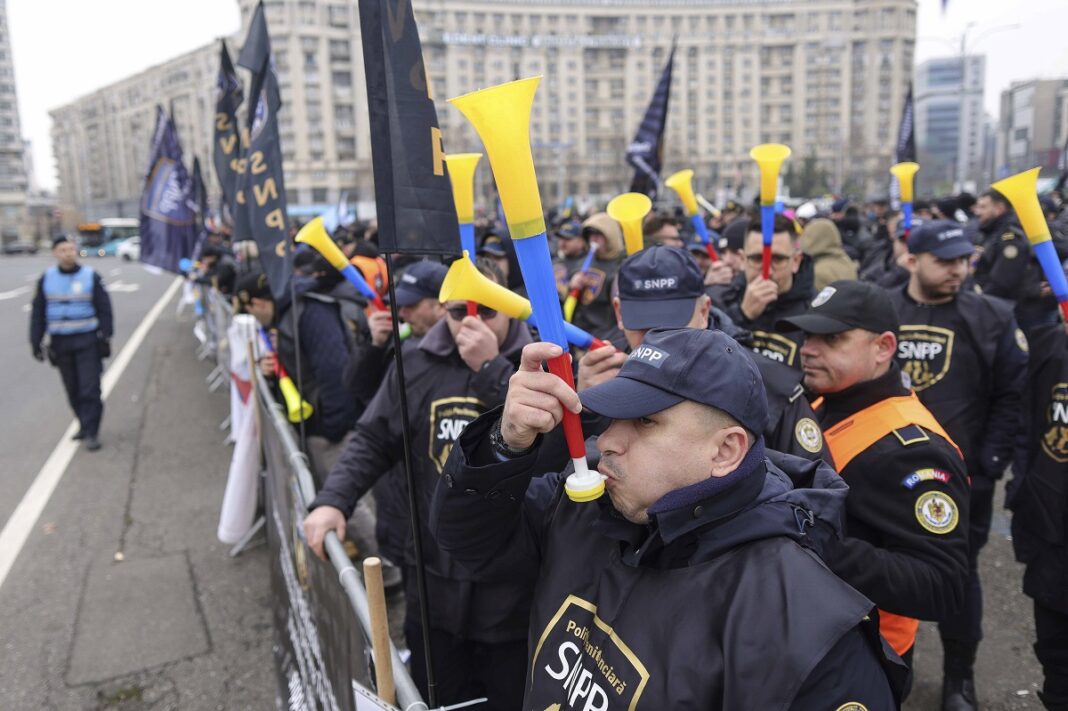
{"type": "Point", "coordinates": [658, 288]}
{"type": "Point", "coordinates": [672, 365]}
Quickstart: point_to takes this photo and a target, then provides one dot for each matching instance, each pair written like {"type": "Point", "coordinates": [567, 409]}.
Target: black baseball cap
{"type": "Point", "coordinates": [944, 239]}
{"type": "Point", "coordinates": [420, 281]}
{"type": "Point", "coordinates": [252, 285]}
{"type": "Point", "coordinates": [658, 288]}
{"type": "Point", "coordinates": [569, 229]}
{"type": "Point", "coordinates": [843, 305]}
{"type": "Point", "coordinates": [676, 364]}
{"type": "Point", "coordinates": [735, 232]}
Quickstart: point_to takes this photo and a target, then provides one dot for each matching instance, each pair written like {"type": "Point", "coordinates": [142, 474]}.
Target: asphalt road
{"type": "Point", "coordinates": [123, 599]}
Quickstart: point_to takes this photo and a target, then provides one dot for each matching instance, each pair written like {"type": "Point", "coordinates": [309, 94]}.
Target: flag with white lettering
{"type": "Point", "coordinates": [168, 222]}
{"type": "Point", "coordinates": [646, 151]}
{"type": "Point", "coordinates": [261, 182]}
{"type": "Point", "coordinates": [416, 213]}
{"type": "Point", "coordinates": [226, 151]}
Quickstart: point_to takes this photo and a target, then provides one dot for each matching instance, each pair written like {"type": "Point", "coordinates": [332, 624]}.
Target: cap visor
{"type": "Point", "coordinates": [625, 399]}
{"type": "Point", "coordinates": [954, 251]}
{"type": "Point", "coordinates": [408, 297]}
{"type": "Point", "coordinates": [668, 313]}
{"type": "Point", "coordinates": [812, 323]}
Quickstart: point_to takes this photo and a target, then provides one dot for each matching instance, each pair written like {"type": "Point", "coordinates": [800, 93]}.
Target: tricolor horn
{"type": "Point", "coordinates": [573, 296]}
{"type": "Point", "coordinates": [297, 408]}
{"type": "Point", "coordinates": [682, 183]}
{"type": "Point", "coordinates": [769, 158]}
{"type": "Point", "coordinates": [464, 282]}
{"type": "Point", "coordinates": [501, 117]}
{"type": "Point", "coordinates": [629, 210]}
{"type": "Point", "coordinates": [314, 234]}
{"type": "Point", "coordinates": [906, 176]}
{"type": "Point", "coordinates": [462, 176]}
{"type": "Point", "coordinates": [1022, 191]}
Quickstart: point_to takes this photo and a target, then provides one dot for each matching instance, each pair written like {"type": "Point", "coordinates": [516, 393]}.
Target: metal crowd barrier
{"type": "Point", "coordinates": [288, 480]}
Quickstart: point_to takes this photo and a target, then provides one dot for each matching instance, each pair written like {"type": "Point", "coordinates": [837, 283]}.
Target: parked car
{"type": "Point", "coordinates": [20, 246]}
{"type": "Point", "coordinates": [130, 249]}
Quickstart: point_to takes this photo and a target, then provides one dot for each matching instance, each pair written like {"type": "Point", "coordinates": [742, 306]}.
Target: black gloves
{"type": "Point", "coordinates": [38, 352]}
{"type": "Point", "coordinates": [103, 347]}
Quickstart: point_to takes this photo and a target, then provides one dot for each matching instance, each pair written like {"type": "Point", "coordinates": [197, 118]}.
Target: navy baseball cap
{"type": "Point", "coordinates": [569, 229]}
{"type": "Point", "coordinates": [658, 288]}
{"type": "Point", "coordinates": [676, 364]}
{"type": "Point", "coordinates": [492, 245]}
{"type": "Point", "coordinates": [944, 239]}
{"type": "Point", "coordinates": [844, 305]}
{"type": "Point", "coordinates": [420, 281]}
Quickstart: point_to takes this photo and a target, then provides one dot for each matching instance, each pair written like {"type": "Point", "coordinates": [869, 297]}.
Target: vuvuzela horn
{"type": "Point", "coordinates": [314, 234]}
{"type": "Point", "coordinates": [682, 183]}
{"type": "Point", "coordinates": [464, 282]}
{"type": "Point", "coordinates": [906, 176]}
{"type": "Point", "coordinates": [297, 409]}
{"type": "Point", "coordinates": [1022, 191]}
{"type": "Point", "coordinates": [629, 210]}
{"type": "Point", "coordinates": [572, 298]}
{"type": "Point", "coordinates": [769, 158]}
{"type": "Point", "coordinates": [461, 168]}
{"type": "Point", "coordinates": [501, 117]}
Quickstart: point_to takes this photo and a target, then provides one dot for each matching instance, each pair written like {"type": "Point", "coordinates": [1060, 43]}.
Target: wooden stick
{"type": "Point", "coordinates": [376, 602]}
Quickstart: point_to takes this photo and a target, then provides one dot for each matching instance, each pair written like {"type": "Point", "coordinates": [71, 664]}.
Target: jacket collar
{"type": "Point", "coordinates": [840, 405]}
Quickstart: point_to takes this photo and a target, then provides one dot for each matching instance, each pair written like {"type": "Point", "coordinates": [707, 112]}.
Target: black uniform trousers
{"type": "Point", "coordinates": [1051, 648]}
{"type": "Point", "coordinates": [464, 669]}
{"type": "Point", "coordinates": [967, 624]}
{"type": "Point", "coordinates": [78, 358]}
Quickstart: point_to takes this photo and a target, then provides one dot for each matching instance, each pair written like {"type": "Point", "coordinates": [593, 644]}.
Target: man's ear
{"type": "Point", "coordinates": [885, 347]}
{"type": "Point", "coordinates": [731, 452]}
{"type": "Point", "coordinates": [619, 313]}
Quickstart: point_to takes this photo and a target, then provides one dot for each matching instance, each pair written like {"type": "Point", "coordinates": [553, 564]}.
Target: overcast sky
{"type": "Point", "coordinates": [66, 48]}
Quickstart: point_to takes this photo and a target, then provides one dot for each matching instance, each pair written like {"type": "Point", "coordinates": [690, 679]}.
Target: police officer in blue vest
{"type": "Point", "coordinates": [73, 308]}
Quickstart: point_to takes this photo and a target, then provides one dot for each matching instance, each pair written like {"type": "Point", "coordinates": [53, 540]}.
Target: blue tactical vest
{"type": "Point", "coordinates": [69, 299]}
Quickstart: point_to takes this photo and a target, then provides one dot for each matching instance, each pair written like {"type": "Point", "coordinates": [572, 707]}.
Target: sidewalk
{"type": "Point", "coordinates": [123, 598]}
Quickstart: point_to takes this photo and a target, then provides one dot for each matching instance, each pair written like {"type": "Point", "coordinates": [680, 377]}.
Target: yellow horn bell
{"type": "Point", "coordinates": [314, 233]}
{"type": "Point", "coordinates": [501, 117]}
{"type": "Point", "coordinates": [629, 209]}
{"type": "Point", "coordinates": [1022, 191]}
{"type": "Point", "coordinates": [905, 174]}
{"type": "Point", "coordinates": [462, 175]}
{"type": "Point", "coordinates": [769, 158]}
{"type": "Point", "coordinates": [464, 282]}
{"type": "Point", "coordinates": [682, 183]}
{"type": "Point", "coordinates": [297, 410]}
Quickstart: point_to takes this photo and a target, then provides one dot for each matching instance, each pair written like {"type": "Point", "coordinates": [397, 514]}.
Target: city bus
{"type": "Point", "coordinates": [93, 236]}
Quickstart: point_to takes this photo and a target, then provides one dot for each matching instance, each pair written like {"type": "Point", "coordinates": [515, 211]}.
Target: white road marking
{"type": "Point", "coordinates": [17, 529]}
{"type": "Point", "coordinates": [14, 293]}
{"type": "Point", "coordinates": [114, 272]}
{"type": "Point", "coordinates": [26, 308]}
{"type": "Point", "coordinates": [120, 285]}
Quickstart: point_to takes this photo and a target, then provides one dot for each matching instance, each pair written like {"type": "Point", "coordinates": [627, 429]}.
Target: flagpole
{"type": "Point", "coordinates": [413, 499]}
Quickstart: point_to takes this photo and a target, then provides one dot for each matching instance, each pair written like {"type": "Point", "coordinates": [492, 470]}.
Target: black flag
{"type": "Point", "coordinates": [227, 147]}
{"type": "Point", "coordinates": [261, 181]}
{"type": "Point", "coordinates": [906, 136]}
{"type": "Point", "coordinates": [198, 194]}
{"type": "Point", "coordinates": [646, 151]}
{"type": "Point", "coordinates": [168, 229]}
{"type": "Point", "coordinates": [416, 214]}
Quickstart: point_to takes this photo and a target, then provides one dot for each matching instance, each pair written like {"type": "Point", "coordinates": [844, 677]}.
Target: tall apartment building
{"type": "Point", "coordinates": [827, 77]}
{"type": "Point", "coordinates": [13, 184]}
{"type": "Point", "coordinates": [950, 123]}
{"type": "Point", "coordinates": [1032, 126]}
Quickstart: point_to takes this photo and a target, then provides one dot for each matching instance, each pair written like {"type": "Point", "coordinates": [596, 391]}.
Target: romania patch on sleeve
{"type": "Point", "coordinates": [922, 475]}
{"type": "Point", "coordinates": [937, 512]}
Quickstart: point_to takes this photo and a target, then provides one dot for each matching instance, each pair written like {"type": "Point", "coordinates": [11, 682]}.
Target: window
{"type": "Point", "coordinates": [319, 195]}
{"type": "Point", "coordinates": [341, 78]}
{"type": "Point", "coordinates": [339, 16]}
{"type": "Point", "coordinates": [340, 51]}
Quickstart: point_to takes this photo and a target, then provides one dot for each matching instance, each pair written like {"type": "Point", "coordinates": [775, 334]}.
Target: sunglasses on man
{"type": "Point", "coordinates": [459, 313]}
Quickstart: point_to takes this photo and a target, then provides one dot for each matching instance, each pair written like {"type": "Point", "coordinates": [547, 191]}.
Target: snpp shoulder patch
{"type": "Point", "coordinates": [852, 706]}
{"type": "Point", "coordinates": [808, 435]}
{"type": "Point", "coordinates": [1021, 341]}
{"type": "Point", "coordinates": [937, 512]}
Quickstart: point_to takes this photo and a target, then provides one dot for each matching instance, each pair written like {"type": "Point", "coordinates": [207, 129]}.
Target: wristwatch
{"type": "Point", "coordinates": [501, 447]}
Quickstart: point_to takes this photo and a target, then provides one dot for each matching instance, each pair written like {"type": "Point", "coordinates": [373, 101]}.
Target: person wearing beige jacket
{"type": "Point", "coordinates": [821, 241]}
